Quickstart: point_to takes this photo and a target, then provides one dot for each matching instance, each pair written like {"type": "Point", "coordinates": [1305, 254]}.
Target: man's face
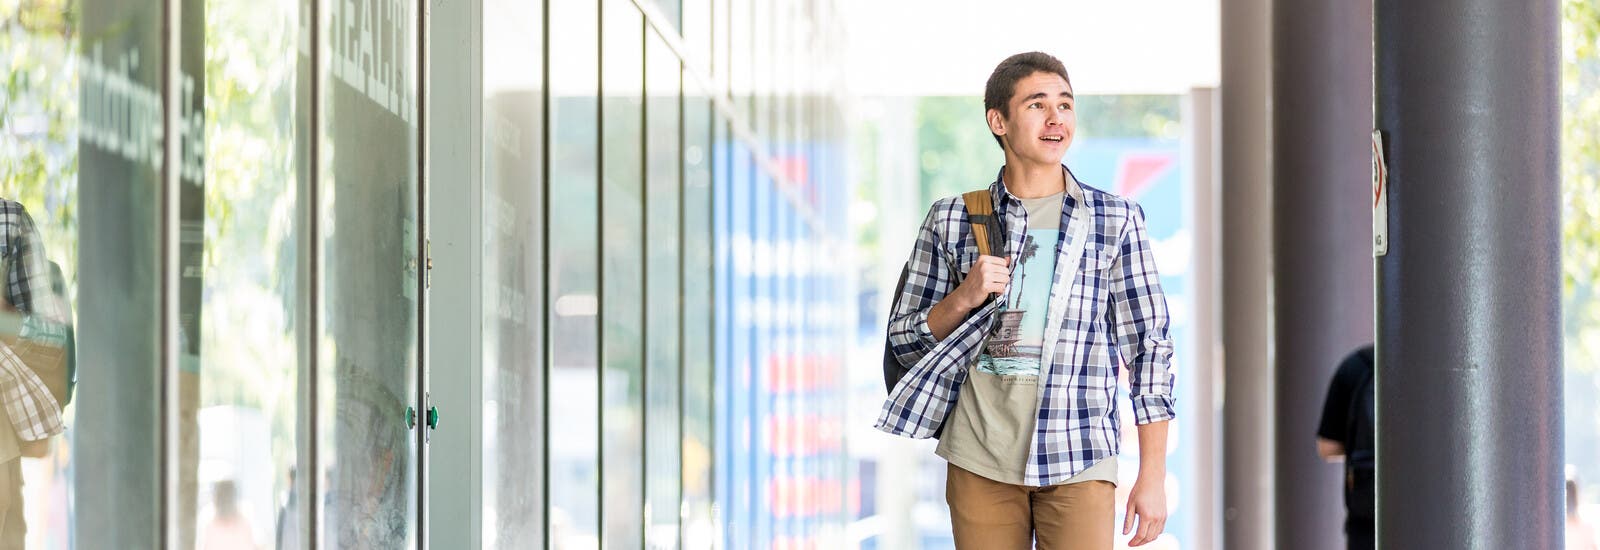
{"type": "Point", "coordinates": [1041, 121]}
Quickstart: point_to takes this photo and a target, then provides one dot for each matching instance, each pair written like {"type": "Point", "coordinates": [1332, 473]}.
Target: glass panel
{"type": "Point", "coordinates": [721, 44]}
{"type": "Point", "coordinates": [663, 292]}
{"type": "Point", "coordinates": [114, 456]}
{"type": "Point", "coordinates": [572, 442]}
{"type": "Point", "coordinates": [741, 25]}
{"type": "Point", "coordinates": [238, 384]}
{"type": "Point", "coordinates": [367, 347]}
{"type": "Point", "coordinates": [513, 276]}
{"type": "Point", "coordinates": [698, 528]}
{"type": "Point", "coordinates": [737, 426]}
{"type": "Point", "coordinates": [672, 10]}
{"type": "Point", "coordinates": [759, 63]}
{"type": "Point", "coordinates": [695, 27]}
{"type": "Point", "coordinates": [622, 291]}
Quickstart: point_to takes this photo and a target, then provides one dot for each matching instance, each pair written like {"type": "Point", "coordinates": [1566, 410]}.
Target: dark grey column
{"type": "Point", "coordinates": [1322, 252]}
{"type": "Point", "coordinates": [1469, 348]}
{"type": "Point", "coordinates": [1246, 275]}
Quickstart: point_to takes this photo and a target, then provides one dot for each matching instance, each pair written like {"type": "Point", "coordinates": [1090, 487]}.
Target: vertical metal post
{"type": "Point", "coordinates": [1469, 337]}
{"type": "Point", "coordinates": [167, 222]}
{"type": "Point", "coordinates": [308, 479]}
{"type": "Point", "coordinates": [424, 263]}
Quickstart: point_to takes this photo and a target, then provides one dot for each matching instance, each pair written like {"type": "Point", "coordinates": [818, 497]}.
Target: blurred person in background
{"type": "Point", "coordinates": [1580, 536]}
{"type": "Point", "coordinates": [228, 529]}
{"type": "Point", "coordinates": [1347, 434]}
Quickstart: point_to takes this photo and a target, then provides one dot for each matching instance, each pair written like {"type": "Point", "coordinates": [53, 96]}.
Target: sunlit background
{"type": "Point", "coordinates": [684, 242]}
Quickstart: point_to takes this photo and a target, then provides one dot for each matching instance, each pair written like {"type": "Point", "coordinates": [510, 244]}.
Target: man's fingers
{"type": "Point", "coordinates": [1127, 519]}
{"type": "Point", "coordinates": [1147, 530]}
{"type": "Point", "coordinates": [992, 260]}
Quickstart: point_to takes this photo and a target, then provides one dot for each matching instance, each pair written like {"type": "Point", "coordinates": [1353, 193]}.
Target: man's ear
{"type": "Point", "coordinates": [997, 122]}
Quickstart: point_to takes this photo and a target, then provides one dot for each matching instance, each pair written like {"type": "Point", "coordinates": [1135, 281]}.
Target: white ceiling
{"type": "Point", "coordinates": [949, 47]}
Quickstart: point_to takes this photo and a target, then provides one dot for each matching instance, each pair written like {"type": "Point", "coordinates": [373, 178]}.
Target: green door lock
{"type": "Point", "coordinates": [433, 418]}
{"type": "Point", "coordinates": [411, 417]}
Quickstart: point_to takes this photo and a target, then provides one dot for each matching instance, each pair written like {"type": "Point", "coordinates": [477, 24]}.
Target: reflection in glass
{"type": "Point", "coordinates": [238, 398]}
{"type": "Point", "coordinates": [663, 292]}
{"type": "Point", "coordinates": [623, 248]}
{"type": "Point", "coordinates": [698, 529]}
{"type": "Point", "coordinates": [39, 122]}
{"type": "Point", "coordinates": [367, 353]}
{"type": "Point", "coordinates": [741, 62]}
{"type": "Point", "coordinates": [513, 275]}
{"type": "Point", "coordinates": [572, 444]}
{"type": "Point", "coordinates": [115, 453]}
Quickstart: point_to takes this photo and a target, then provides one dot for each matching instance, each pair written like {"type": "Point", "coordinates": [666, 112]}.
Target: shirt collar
{"type": "Point", "coordinates": [1002, 196]}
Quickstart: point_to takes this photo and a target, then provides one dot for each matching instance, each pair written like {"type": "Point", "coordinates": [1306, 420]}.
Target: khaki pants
{"type": "Point", "coordinates": [12, 527]}
{"type": "Point", "coordinates": [990, 515]}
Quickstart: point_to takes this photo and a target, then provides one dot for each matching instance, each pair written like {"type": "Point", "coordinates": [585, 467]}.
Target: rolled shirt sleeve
{"type": "Point", "coordinates": [1140, 321]}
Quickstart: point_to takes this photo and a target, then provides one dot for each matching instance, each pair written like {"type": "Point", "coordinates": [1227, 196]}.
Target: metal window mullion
{"type": "Point", "coordinates": [600, 267]}
{"type": "Point", "coordinates": [644, 280]}
{"type": "Point", "coordinates": [544, 276]}
{"type": "Point", "coordinates": [683, 347]}
{"type": "Point", "coordinates": [307, 481]}
{"type": "Point", "coordinates": [422, 428]}
{"type": "Point", "coordinates": [167, 278]}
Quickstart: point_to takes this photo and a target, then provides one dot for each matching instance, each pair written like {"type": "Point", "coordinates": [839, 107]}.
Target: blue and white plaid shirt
{"type": "Point", "coordinates": [1116, 315]}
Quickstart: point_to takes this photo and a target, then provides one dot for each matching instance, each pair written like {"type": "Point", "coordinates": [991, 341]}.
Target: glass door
{"type": "Point", "coordinates": [369, 413]}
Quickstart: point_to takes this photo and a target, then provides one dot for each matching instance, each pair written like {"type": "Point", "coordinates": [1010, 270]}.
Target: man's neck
{"type": "Point", "coordinates": [1030, 181]}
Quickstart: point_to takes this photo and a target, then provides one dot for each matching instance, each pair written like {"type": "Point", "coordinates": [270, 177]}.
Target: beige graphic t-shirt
{"type": "Point", "coordinates": [990, 429]}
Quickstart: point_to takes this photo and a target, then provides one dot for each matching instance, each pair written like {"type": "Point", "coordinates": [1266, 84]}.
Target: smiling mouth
{"type": "Point", "coordinates": [1056, 139]}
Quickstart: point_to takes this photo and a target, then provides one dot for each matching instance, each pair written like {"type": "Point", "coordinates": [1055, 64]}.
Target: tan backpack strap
{"type": "Point", "coordinates": [979, 209]}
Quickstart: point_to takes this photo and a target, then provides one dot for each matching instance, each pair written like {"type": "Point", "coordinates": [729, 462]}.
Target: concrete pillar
{"type": "Point", "coordinates": [1469, 340]}
{"type": "Point", "coordinates": [1203, 407]}
{"type": "Point", "coordinates": [1322, 256]}
{"type": "Point", "coordinates": [1246, 275]}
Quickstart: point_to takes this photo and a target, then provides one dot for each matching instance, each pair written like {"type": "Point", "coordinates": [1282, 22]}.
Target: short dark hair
{"type": "Point", "coordinates": [1003, 81]}
{"type": "Point", "coordinates": [1572, 497]}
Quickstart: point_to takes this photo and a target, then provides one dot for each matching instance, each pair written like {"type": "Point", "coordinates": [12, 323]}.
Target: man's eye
{"type": "Point", "coordinates": [1034, 105]}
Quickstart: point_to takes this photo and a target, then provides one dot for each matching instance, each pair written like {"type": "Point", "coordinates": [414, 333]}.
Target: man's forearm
{"type": "Point", "coordinates": [945, 316]}
{"type": "Point", "coordinates": [1153, 451]}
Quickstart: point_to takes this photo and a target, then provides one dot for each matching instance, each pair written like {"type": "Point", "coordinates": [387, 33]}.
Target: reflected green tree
{"type": "Point", "coordinates": [1580, 236]}
{"type": "Point", "coordinates": [39, 119]}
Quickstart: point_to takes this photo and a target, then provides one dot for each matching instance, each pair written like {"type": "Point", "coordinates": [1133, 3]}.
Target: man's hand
{"type": "Point", "coordinates": [35, 449]}
{"type": "Point", "coordinates": [1148, 501]}
{"type": "Point", "coordinates": [989, 275]}
{"type": "Point", "coordinates": [1330, 450]}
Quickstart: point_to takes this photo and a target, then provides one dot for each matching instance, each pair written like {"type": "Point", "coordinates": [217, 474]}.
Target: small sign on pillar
{"type": "Point", "coordinates": [1380, 197]}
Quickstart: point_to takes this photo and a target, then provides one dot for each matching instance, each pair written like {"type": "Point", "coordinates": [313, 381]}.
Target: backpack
{"type": "Point", "coordinates": [1360, 464]}
{"type": "Point", "coordinates": [991, 237]}
{"type": "Point", "coordinates": [62, 387]}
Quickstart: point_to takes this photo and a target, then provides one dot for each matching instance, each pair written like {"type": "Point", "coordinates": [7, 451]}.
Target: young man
{"type": "Point", "coordinates": [1022, 386]}
{"type": "Point", "coordinates": [29, 413]}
